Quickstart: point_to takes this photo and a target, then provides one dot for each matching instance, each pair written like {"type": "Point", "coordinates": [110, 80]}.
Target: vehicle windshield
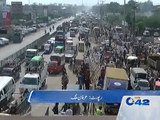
{"type": "Point", "coordinates": [6, 72]}
{"type": "Point", "coordinates": [142, 75]}
{"type": "Point", "coordinates": [59, 50]}
{"type": "Point", "coordinates": [69, 52]}
{"type": "Point", "coordinates": [143, 84]}
{"type": "Point", "coordinates": [52, 64]}
{"type": "Point", "coordinates": [55, 58]}
{"type": "Point", "coordinates": [60, 33]}
{"type": "Point", "coordinates": [30, 54]}
{"type": "Point", "coordinates": [17, 34]}
{"type": "Point", "coordinates": [30, 81]}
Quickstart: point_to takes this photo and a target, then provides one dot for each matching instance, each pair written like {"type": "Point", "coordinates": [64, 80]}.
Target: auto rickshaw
{"type": "Point", "coordinates": [47, 48]}
{"type": "Point", "coordinates": [77, 64]}
{"type": "Point", "coordinates": [59, 49]}
{"type": "Point", "coordinates": [36, 63]}
{"type": "Point", "coordinates": [57, 63]}
{"type": "Point", "coordinates": [132, 61]}
{"type": "Point", "coordinates": [81, 46]}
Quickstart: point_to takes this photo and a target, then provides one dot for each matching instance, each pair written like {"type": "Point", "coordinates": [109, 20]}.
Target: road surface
{"type": "Point", "coordinates": [12, 48]}
{"type": "Point", "coordinates": [53, 82]}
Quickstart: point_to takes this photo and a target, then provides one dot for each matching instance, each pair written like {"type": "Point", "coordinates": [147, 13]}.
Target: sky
{"type": "Point", "coordinates": [78, 2]}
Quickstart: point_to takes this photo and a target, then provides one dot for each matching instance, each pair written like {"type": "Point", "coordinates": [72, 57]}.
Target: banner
{"type": "Point", "coordinates": [139, 108]}
{"type": "Point", "coordinates": [84, 96]}
{"type": "Point", "coordinates": [6, 18]}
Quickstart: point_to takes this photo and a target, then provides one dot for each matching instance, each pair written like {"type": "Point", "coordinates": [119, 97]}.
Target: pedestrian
{"type": "Point", "coordinates": [55, 108]}
{"type": "Point", "coordinates": [101, 82]}
{"type": "Point", "coordinates": [64, 108]}
{"type": "Point", "coordinates": [64, 81]}
{"type": "Point", "coordinates": [87, 78]}
{"type": "Point", "coordinates": [86, 107]}
{"type": "Point", "coordinates": [99, 111]}
{"type": "Point", "coordinates": [103, 72]}
{"type": "Point", "coordinates": [81, 79]}
{"type": "Point", "coordinates": [69, 111]}
{"type": "Point", "coordinates": [64, 71]}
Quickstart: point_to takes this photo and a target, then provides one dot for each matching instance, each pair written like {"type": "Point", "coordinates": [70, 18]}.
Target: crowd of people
{"type": "Point", "coordinates": [110, 52]}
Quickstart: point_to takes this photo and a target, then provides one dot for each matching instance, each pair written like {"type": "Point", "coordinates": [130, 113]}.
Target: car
{"type": "Point", "coordinates": [142, 84]}
{"type": "Point", "coordinates": [1, 43]}
{"type": "Point", "coordinates": [5, 40]}
{"type": "Point", "coordinates": [51, 41]}
{"type": "Point", "coordinates": [146, 33]}
{"type": "Point", "coordinates": [34, 29]}
{"type": "Point", "coordinates": [156, 34]}
{"type": "Point", "coordinates": [69, 54]}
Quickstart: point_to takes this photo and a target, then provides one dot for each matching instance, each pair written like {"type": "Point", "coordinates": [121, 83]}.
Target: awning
{"type": "Point", "coordinates": [84, 96]}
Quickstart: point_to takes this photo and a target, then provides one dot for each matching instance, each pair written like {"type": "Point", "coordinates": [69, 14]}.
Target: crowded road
{"type": "Point", "coordinates": [12, 48]}
{"type": "Point", "coordinates": [53, 81]}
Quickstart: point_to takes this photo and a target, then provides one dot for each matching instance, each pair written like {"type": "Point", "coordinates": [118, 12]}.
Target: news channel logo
{"type": "Point", "coordinates": [130, 101]}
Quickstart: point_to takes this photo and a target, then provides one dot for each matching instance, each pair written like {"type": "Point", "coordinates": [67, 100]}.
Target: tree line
{"type": "Point", "coordinates": [130, 13]}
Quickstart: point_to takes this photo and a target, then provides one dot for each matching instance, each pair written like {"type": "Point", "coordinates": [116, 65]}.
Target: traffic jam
{"type": "Point", "coordinates": [101, 57]}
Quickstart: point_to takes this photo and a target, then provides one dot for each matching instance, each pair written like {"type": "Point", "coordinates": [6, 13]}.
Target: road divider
{"type": "Point", "coordinates": [21, 53]}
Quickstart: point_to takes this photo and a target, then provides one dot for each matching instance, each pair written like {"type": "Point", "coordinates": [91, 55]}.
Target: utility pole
{"type": "Point", "coordinates": [125, 37]}
{"type": "Point", "coordinates": [82, 3]}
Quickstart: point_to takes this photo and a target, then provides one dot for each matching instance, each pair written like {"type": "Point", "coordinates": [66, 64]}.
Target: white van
{"type": "Point", "coordinates": [137, 74]}
{"type": "Point", "coordinates": [7, 88]}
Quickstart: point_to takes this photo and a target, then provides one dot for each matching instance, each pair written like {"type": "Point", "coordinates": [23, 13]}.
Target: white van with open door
{"type": "Point", "coordinates": [7, 88]}
{"type": "Point", "coordinates": [136, 75]}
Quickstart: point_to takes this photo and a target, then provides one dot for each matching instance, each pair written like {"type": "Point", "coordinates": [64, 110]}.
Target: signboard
{"type": "Point", "coordinates": [2, 5]}
{"type": "Point", "coordinates": [45, 11]}
{"type": "Point", "coordinates": [139, 108]}
{"type": "Point", "coordinates": [6, 18]}
{"type": "Point", "coordinates": [84, 96]}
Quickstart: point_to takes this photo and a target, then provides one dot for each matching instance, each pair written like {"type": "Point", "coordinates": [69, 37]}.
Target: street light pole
{"type": "Point", "coordinates": [125, 20]}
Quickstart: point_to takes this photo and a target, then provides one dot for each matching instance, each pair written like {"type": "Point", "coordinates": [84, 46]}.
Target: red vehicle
{"type": "Point", "coordinates": [57, 63]}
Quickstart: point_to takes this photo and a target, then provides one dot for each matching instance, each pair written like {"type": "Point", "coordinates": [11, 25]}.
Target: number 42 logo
{"type": "Point", "coordinates": [141, 102]}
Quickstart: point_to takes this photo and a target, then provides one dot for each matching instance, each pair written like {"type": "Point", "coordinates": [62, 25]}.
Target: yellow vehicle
{"type": "Point", "coordinates": [81, 46]}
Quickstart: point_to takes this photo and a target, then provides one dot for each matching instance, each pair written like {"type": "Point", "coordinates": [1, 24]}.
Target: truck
{"type": "Point", "coordinates": [154, 61]}
{"type": "Point", "coordinates": [12, 68]}
{"type": "Point", "coordinates": [115, 79]}
{"type": "Point", "coordinates": [12, 33]}
{"type": "Point", "coordinates": [30, 53]}
{"type": "Point", "coordinates": [60, 38]}
{"type": "Point", "coordinates": [36, 75]}
{"type": "Point", "coordinates": [17, 36]}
